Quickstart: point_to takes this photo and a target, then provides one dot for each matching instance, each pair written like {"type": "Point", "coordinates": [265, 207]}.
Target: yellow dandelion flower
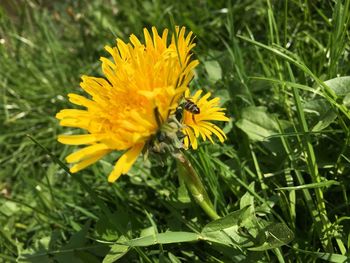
{"type": "Point", "coordinates": [142, 86]}
{"type": "Point", "coordinates": [198, 123]}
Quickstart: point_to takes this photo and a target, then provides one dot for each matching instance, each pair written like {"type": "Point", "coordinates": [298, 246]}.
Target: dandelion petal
{"type": "Point", "coordinates": [125, 162]}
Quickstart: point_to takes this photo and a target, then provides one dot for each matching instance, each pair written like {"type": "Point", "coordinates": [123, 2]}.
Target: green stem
{"type": "Point", "coordinates": [195, 185]}
{"type": "Point", "coordinates": [322, 221]}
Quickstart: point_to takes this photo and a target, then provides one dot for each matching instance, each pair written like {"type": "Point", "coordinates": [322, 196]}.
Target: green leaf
{"type": "Point", "coordinates": [329, 257]}
{"type": "Point", "coordinates": [346, 100]}
{"type": "Point", "coordinates": [324, 113]}
{"type": "Point", "coordinates": [325, 121]}
{"type": "Point", "coordinates": [117, 251]}
{"type": "Point", "coordinates": [105, 229]}
{"type": "Point", "coordinates": [78, 240]}
{"type": "Point", "coordinates": [173, 258]}
{"type": "Point", "coordinates": [182, 193]}
{"type": "Point", "coordinates": [308, 186]}
{"type": "Point", "coordinates": [341, 85]}
{"type": "Point", "coordinates": [224, 96]}
{"type": "Point", "coordinates": [213, 69]}
{"type": "Point", "coordinates": [258, 124]}
{"type": "Point", "coordinates": [38, 253]}
{"type": "Point", "coordinates": [148, 231]}
{"type": "Point", "coordinates": [232, 219]}
{"type": "Point", "coordinates": [9, 208]}
{"type": "Point", "coordinates": [247, 199]}
{"type": "Point", "coordinates": [163, 238]}
{"type": "Point", "coordinates": [273, 236]}
{"type": "Point", "coordinates": [226, 230]}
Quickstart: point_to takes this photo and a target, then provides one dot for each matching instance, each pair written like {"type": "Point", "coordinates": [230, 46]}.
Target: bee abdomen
{"type": "Point", "coordinates": [191, 107]}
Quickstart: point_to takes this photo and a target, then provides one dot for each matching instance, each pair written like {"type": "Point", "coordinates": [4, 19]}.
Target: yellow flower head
{"type": "Point", "coordinates": [142, 86]}
{"type": "Point", "coordinates": [199, 124]}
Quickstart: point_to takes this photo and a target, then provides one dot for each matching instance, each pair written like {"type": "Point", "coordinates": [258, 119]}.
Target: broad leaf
{"type": "Point", "coordinates": [213, 69]}
{"type": "Point", "coordinates": [258, 124]}
{"type": "Point", "coordinates": [323, 112]}
{"type": "Point", "coordinates": [163, 238]}
{"type": "Point", "coordinates": [321, 107]}
{"type": "Point", "coordinates": [341, 85]}
{"type": "Point", "coordinates": [116, 251]}
{"type": "Point", "coordinates": [227, 230]}
{"type": "Point", "coordinates": [273, 236]}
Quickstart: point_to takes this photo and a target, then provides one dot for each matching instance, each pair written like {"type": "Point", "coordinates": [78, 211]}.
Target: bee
{"type": "Point", "coordinates": [191, 107]}
{"type": "Point", "coordinates": [188, 106]}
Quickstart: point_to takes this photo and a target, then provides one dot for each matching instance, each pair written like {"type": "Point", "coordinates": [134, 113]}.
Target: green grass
{"type": "Point", "coordinates": [280, 181]}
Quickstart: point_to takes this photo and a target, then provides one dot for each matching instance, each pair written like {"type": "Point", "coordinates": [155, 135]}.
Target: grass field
{"type": "Point", "coordinates": [280, 181]}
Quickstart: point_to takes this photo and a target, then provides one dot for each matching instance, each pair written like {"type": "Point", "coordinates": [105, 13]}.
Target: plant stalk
{"type": "Point", "coordinates": [195, 185]}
